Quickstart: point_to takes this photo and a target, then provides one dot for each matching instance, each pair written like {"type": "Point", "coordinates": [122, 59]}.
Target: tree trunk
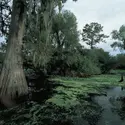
{"type": "Point", "coordinates": [12, 80]}
{"type": "Point", "coordinates": [124, 43]}
{"type": "Point", "coordinates": [91, 45]}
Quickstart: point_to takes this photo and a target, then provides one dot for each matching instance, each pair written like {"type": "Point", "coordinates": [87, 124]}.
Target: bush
{"type": "Point", "coordinates": [89, 66]}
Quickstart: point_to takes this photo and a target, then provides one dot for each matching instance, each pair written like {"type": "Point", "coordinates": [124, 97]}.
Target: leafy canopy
{"type": "Point", "coordinates": [92, 34]}
{"type": "Point", "coordinates": [119, 37]}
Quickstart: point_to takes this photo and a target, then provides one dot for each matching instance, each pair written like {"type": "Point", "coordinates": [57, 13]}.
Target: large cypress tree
{"type": "Point", "coordinates": [12, 79]}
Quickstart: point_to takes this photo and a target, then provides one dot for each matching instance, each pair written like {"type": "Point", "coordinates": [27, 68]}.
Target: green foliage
{"type": "Point", "coordinates": [73, 87]}
{"type": "Point", "coordinates": [65, 34]}
{"type": "Point", "coordinates": [95, 61]}
{"type": "Point", "coordinates": [119, 36]}
{"type": "Point", "coordinates": [104, 60]}
{"type": "Point", "coordinates": [5, 14]}
{"type": "Point", "coordinates": [92, 34]}
{"type": "Point", "coordinates": [121, 61]}
{"type": "Point", "coordinates": [38, 32]}
{"type": "Point", "coordinates": [51, 41]}
{"type": "Point", "coordinates": [71, 102]}
{"type": "Point", "coordinates": [65, 43]}
{"type": "Point", "coordinates": [88, 66]}
{"type": "Point", "coordinates": [49, 34]}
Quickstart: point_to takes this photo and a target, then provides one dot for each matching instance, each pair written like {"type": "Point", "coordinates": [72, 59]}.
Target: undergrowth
{"type": "Point", "coordinates": [71, 103]}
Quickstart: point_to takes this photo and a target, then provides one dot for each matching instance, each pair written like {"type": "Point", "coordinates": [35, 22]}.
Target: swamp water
{"type": "Point", "coordinates": [113, 106]}
{"type": "Point", "coordinates": [113, 109]}
{"type": "Point", "coordinates": [112, 113]}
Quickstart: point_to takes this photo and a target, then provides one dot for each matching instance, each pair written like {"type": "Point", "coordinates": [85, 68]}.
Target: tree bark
{"type": "Point", "coordinates": [91, 44]}
{"type": "Point", "coordinates": [12, 79]}
{"type": "Point", "coordinates": [124, 43]}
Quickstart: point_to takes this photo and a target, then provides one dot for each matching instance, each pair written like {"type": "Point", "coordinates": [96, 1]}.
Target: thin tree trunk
{"type": "Point", "coordinates": [12, 80]}
{"type": "Point", "coordinates": [91, 44]}
{"type": "Point", "coordinates": [124, 43]}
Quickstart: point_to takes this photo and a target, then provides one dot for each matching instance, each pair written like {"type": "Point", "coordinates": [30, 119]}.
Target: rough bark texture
{"type": "Point", "coordinates": [12, 80]}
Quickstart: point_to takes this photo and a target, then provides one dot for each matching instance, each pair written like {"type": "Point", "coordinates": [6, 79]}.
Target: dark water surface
{"type": "Point", "coordinates": [113, 107]}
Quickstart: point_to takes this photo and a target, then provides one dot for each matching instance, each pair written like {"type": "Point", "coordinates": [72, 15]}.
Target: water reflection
{"type": "Point", "coordinates": [122, 88]}
{"type": "Point", "coordinates": [113, 105]}
{"type": "Point", "coordinates": [121, 109]}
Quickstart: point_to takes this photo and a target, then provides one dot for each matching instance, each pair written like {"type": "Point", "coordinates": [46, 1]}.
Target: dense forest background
{"type": "Point", "coordinates": [52, 44]}
{"type": "Point", "coordinates": [42, 41]}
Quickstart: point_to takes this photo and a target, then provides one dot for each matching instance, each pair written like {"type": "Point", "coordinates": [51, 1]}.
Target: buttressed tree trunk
{"type": "Point", "coordinates": [12, 79]}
